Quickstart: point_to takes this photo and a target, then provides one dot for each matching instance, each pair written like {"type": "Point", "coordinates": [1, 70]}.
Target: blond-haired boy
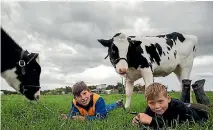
{"type": "Point", "coordinates": [164, 111]}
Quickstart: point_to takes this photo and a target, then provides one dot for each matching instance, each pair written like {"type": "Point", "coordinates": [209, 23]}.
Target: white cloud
{"type": "Point", "coordinates": [129, 5]}
{"type": "Point", "coordinates": [142, 26]}
{"type": "Point", "coordinates": [97, 75]}
{"type": "Point", "coordinates": [206, 60]}
{"type": "Point", "coordinates": [206, 74]}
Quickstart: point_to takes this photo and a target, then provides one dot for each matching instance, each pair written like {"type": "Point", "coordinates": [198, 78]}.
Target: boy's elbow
{"type": "Point", "coordinates": [101, 116]}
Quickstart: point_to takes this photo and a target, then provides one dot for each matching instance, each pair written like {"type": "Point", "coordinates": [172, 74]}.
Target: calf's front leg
{"type": "Point", "coordinates": [147, 75]}
{"type": "Point", "coordinates": [129, 91]}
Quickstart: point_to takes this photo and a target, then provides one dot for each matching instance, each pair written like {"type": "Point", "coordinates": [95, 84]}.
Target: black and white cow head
{"type": "Point", "coordinates": [19, 68]}
{"type": "Point", "coordinates": [118, 49]}
{"type": "Point", "coordinates": [29, 75]}
{"type": "Point", "coordinates": [25, 76]}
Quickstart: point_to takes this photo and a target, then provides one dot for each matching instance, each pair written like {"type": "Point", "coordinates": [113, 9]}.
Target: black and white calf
{"type": "Point", "coordinates": [20, 68]}
{"type": "Point", "coordinates": [151, 56]}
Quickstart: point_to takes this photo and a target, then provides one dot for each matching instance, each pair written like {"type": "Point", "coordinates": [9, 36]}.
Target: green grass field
{"type": "Point", "coordinates": [17, 113]}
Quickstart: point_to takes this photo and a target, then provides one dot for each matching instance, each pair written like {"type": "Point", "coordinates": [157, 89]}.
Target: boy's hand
{"type": "Point", "coordinates": [136, 121]}
{"type": "Point", "coordinates": [63, 116]}
{"type": "Point", "coordinates": [145, 119]}
{"type": "Point", "coordinates": [142, 118]}
{"type": "Point", "coordinates": [78, 118]}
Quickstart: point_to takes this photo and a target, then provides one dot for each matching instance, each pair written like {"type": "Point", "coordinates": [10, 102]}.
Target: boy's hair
{"type": "Point", "coordinates": [78, 88]}
{"type": "Point", "coordinates": [154, 89]}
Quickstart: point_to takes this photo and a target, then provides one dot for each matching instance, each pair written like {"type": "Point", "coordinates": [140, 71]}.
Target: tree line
{"type": "Point", "coordinates": [68, 90]}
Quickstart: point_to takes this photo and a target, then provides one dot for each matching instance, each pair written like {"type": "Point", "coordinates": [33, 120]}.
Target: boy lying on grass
{"type": "Point", "coordinates": [163, 111]}
{"type": "Point", "coordinates": [87, 105]}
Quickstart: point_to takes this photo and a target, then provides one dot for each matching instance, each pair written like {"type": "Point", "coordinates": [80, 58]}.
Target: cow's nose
{"type": "Point", "coordinates": [37, 97]}
{"type": "Point", "coordinates": [122, 70]}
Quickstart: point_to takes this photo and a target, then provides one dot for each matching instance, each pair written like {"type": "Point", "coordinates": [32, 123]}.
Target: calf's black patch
{"type": "Point", "coordinates": [175, 36]}
{"type": "Point", "coordinates": [132, 36]}
{"type": "Point", "coordinates": [175, 53]}
{"type": "Point", "coordinates": [135, 58]}
{"type": "Point", "coordinates": [154, 57]}
{"type": "Point", "coordinates": [169, 42]}
{"type": "Point", "coordinates": [161, 36]}
{"type": "Point", "coordinates": [159, 48]}
{"type": "Point", "coordinates": [117, 34]}
{"type": "Point", "coordinates": [194, 48]}
{"type": "Point", "coordinates": [168, 48]}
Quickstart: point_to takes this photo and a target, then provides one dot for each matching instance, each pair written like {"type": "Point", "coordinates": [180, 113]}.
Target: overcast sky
{"type": "Point", "coordinates": [65, 35]}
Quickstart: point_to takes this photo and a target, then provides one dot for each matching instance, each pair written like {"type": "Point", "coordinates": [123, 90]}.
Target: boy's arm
{"type": "Point", "coordinates": [100, 110]}
{"type": "Point", "coordinates": [73, 111]}
{"type": "Point", "coordinates": [157, 121]}
{"type": "Point", "coordinates": [148, 111]}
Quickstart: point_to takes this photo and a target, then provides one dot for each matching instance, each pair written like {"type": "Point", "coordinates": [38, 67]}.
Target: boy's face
{"type": "Point", "coordinates": [160, 104]}
{"type": "Point", "coordinates": [83, 98]}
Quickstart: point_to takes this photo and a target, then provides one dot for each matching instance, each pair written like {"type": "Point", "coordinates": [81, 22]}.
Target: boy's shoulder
{"type": "Point", "coordinates": [176, 103]}
{"type": "Point", "coordinates": [174, 100]}
{"type": "Point", "coordinates": [97, 97]}
{"type": "Point", "coordinates": [96, 94]}
{"type": "Point", "coordinates": [100, 101]}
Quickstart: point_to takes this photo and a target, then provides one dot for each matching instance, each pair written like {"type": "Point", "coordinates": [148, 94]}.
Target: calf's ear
{"type": "Point", "coordinates": [105, 43]}
{"type": "Point", "coordinates": [37, 58]}
{"type": "Point", "coordinates": [33, 56]}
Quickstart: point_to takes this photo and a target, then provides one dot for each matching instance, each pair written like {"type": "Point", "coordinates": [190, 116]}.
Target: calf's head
{"type": "Point", "coordinates": [118, 47]}
{"type": "Point", "coordinates": [25, 77]}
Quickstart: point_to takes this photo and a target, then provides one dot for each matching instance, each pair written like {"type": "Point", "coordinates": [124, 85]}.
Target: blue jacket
{"type": "Point", "coordinates": [100, 109]}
